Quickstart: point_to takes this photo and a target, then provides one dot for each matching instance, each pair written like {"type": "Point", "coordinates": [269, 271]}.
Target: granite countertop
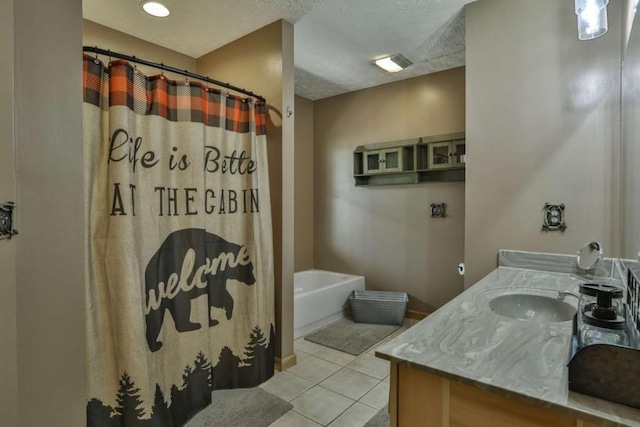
{"type": "Point", "coordinates": [467, 342]}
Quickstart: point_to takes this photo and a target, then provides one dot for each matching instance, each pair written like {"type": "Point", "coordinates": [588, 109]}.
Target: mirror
{"type": "Point", "coordinates": [590, 255]}
{"type": "Point", "coordinates": [630, 139]}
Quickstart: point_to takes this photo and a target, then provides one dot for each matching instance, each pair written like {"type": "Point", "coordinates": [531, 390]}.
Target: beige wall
{"type": "Point", "coordinates": [106, 38]}
{"type": "Point", "coordinates": [630, 171]}
{"type": "Point", "coordinates": [8, 313]}
{"type": "Point", "coordinates": [49, 249]}
{"type": "Point", "coordinates": [263, 63]}
{"type": "Point", "coordinates": [542, 126]}
{"type": "Point", "coordinates": [386, 233]}
{"type": "Point", "coordinates": [303, 114]}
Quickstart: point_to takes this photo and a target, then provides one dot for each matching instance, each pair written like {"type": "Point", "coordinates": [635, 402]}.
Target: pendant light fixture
{"type": "Point", "coordinates": [592, 18]}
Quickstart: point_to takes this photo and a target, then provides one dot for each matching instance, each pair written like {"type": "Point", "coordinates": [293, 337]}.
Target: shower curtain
{"type": "Point", "coordinates": [179, 293]}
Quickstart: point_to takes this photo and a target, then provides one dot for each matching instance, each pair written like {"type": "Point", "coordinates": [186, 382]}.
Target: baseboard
{"type": "Point", "coordinates": [282, 364]}
{"type": "Point", "coordinates": [417, 315]}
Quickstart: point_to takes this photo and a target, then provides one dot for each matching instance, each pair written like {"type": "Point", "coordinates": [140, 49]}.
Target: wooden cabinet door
{"type": "Point", "coordinates": [458, 150]}
{"type": "Point", "coordinates": [373, 161]}
{"type": "Point", "coordinates": [420, 399]}
{"type": "Point", "coordinates": [392, 160]}
{"type": "Point", "coordinates": [440, 155]}
{"type": "Point", "coordinates": [470, 407]}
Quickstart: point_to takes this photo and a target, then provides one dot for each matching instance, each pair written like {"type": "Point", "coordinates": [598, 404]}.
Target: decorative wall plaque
{"type": "Point", "coordinates": [554, 217]}
{"type": "Point", "coordinates": [6, 221]}
{"type": "Point", "coordinates": [437, 210]}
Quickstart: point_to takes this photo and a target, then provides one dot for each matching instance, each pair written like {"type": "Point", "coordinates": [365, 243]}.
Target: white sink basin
{"type": "Point", "coordinates": [532, 307]}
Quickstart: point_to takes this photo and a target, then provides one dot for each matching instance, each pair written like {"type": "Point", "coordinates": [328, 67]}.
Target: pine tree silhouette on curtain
{"type": "Point", "coordinates": [198, 380]}
{"type": "Point", "coordinates": [196, 386]}
{"type": "Point", "coordinates": [160, 414]}
{"type": "Point", "coordinates": [256, 366]}
{"type": "Point", "coordinates": [257, 358]}
{"type": "Point", "coordinates": [195, 391]}
{"type": "Point", "coordinates": [129, 401]}
{"type": "Point", "coordinates": [98, 414]}
{"type": "Point", "coordinates": [226, 372]}
{"type": "Point", "coordinates": [201, 364]}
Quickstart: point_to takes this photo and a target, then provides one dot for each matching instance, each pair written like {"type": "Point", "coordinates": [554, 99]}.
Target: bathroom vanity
{"type": "Point", "coordinates": [466, 365]}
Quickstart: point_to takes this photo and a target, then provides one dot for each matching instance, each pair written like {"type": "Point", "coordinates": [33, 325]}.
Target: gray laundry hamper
{"type": "Point", "coordinates": [384, 308]}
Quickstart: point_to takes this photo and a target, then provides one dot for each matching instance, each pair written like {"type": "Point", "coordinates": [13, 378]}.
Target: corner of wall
{"type": "Point", "coordinates": [288, 187]}
{"type": "Point", "coordinates": [8, 302]}
{"type": "Point", "coordinates": [304, 182]}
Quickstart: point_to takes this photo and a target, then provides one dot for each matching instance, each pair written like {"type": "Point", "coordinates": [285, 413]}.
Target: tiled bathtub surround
{"type": "Point", "coordinates": [467, 342]}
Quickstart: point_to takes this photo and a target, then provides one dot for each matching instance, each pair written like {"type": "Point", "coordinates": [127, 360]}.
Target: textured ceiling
{"type": "Point", "coordinates": [195, 27]}
{"type": "Point", "coordinates": [335, 40]}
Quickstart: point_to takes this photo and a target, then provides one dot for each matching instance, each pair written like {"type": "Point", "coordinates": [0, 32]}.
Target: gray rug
{"type": "Point", "coordinates": [248, 407]}
{"type": "Point", "coordinates": [381, 419]}
{"type": "Point", "coordinates": [350, 337]}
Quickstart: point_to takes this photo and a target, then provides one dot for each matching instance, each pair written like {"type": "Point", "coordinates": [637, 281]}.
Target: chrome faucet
{"type": "Point", "coordinates": [563, 294]}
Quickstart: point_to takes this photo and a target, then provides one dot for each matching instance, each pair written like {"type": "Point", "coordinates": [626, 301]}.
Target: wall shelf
{"type": "Point", "coordinates": [411, 161]}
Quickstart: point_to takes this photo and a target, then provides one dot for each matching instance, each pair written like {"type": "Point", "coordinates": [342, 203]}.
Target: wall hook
{"type": "Point", "coordinates": [289, 111]}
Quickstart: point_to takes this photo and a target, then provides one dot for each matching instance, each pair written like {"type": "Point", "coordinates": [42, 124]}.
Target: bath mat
{"type": "Point", "coordinates": [350, 337]}
{"type": "Point", "coordinates": [381, 419]}
{"type": "Point", "coordinates": [247, 407]}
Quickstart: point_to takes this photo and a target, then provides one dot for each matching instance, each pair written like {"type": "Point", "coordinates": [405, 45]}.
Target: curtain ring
{"type": "Point", "coordinates": [96, 60]}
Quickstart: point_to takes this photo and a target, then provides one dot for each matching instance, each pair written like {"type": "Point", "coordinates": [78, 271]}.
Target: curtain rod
{"type": "Point", "coordinates": [163, 67]}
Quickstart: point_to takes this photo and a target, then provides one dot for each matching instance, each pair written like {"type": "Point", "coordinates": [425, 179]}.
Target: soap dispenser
{"type": "Point", "coordinates": [601, 324]}
{"type": "Point", "coordinates": [589, 292]}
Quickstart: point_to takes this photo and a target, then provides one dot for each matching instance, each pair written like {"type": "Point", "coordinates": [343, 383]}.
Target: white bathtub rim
{"type": "Point", "coordinates": [345, 278]}
{"type": "Point", "coordinates": [319, 302]}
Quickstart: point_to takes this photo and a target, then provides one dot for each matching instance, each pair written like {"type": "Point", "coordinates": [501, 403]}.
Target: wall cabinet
{"type": "Point", "coordinates": [446, 154]}
{"type": "Point", "coordinates": [411, 161]}
{"type": "Point", "coordinates": [389, 160]}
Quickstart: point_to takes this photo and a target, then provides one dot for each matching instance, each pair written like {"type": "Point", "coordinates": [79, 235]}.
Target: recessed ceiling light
{"type": "Point", "coordinates": [156, 9]}
{"type": "Point", "coordinates": [393, 63]}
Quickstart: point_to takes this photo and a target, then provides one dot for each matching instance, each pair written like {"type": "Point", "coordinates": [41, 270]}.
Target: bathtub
{"type": "Point", "coordinates": [321, 297]}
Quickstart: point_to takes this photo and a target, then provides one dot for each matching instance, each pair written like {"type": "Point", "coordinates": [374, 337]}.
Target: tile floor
{"type": "Point", "coordinates": [331, 388]}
